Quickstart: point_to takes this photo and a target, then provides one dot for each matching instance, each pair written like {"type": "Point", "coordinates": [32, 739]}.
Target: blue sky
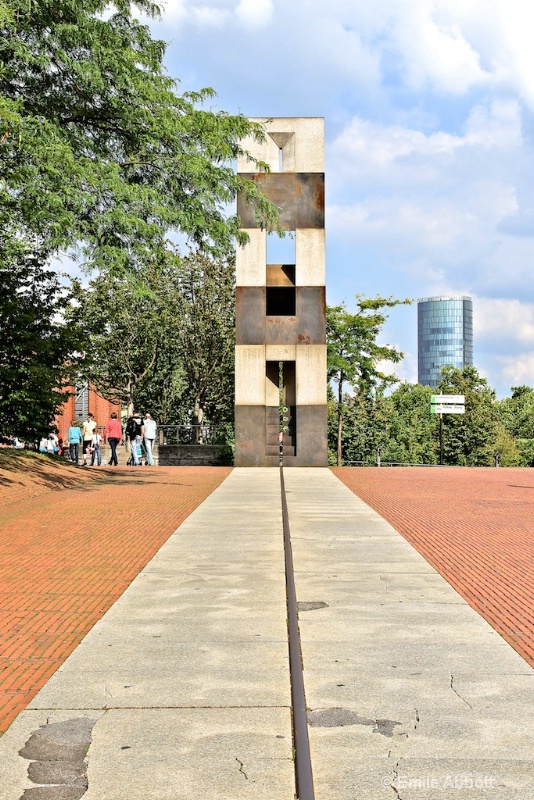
{"type": "Point", "coordinates": [429, 124]}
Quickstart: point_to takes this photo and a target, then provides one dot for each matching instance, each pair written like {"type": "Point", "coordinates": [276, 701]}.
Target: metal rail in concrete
{"type": "Point", "coordinates": [303, 766]}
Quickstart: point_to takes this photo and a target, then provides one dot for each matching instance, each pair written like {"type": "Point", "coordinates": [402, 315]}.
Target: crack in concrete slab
{"type": "Point", "coordinates": [394, 779]}
{"type": "Point", "coordinates": [459, 695]}
{"type": "Point", "coordinates": [241, 770]}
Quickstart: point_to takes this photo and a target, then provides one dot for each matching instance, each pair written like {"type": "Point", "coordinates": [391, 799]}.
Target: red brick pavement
{"type": "Point", "coordinates": [474, 526]}
{"type": "Point", "coordinates": [66, 556]}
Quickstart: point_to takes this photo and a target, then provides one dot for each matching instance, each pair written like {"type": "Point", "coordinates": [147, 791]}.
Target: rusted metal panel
{"type": "Point", "coordinates": [250, 436]}
{"type": "Point", "coordinates": [298, 195]}
{"type": "Point", "coordinates": [280, 274]}
{"type": "Point", "coordinates": [250, 315]}
{"type": "Point", "coordinates": [311, 315]}
{"type": "Point", "coordinates": [312, 438]}
{"type": "Point", "coordinates": [290, 384]}
{"type": "Point", "coordinates": [280, 330]}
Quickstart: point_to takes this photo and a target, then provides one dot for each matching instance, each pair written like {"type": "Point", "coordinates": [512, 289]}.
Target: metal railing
{"type": "Point", "coordinates": [188, 434]}
{"type": "Point", "coordinates": [387, 464]}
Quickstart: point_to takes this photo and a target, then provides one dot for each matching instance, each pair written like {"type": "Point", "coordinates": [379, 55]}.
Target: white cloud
{"type": "Point", "coordinates": [211, 17]}
{"type": "Point", "coordinates": [438, 207]}
{"type": "Point", "coordinates": [504, 319]}
{"type": "Point", "coordinates": [369, 149]}
{"type": "Point", "coordinates": [254, 13]}
{"type": "Point", "coordinates": [451, 47]}
{"type": "Point", "coordinates": [436, 51]}
{"type": "Point", "coordinates": [219, 13]}
{"type": "Point", "coordinates": [518, 370]}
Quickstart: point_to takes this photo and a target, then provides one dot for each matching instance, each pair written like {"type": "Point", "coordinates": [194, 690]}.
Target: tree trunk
{"type": "Point", "coordinates": [339, 422]}
{"type": "Point", "coordinates": [129, 411]}
{"type": "Point", "coordinates": [198, 417]}
{"type": "Point", "coordinates": [130, 403]}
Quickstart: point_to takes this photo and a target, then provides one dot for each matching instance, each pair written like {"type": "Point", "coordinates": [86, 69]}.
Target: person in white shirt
{"type": "Point", "coordinates": [52, 443]}
{"type": "Point", "coordinates": [96, 441]}
{"type": "Point", "coordinates": [88, 429]}
{"type": "Point", "coordinates": [150, 436]}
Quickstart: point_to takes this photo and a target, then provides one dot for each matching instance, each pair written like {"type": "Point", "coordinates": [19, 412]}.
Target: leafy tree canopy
{"type": "Point", "coordinates": [413, 430]}
{"type": "Point", "coordinates": [516, 415]}
{"type": "Point", "coordinates": [166, 344]}
{"type": "Point", "coordinates": [98, 148]}
{"type": "Point", "coordinates": [38, 353]}
{"type": "Point", "coordinates": [353, 352]}
{"type": "Point", "coordinates": [469, 438]}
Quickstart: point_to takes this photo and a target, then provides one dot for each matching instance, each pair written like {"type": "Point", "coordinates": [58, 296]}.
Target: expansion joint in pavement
{"type": "Point", "coordinates": [303, 768]}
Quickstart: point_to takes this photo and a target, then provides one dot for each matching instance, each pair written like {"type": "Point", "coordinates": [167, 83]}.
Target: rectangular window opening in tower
{"type": "Point", "coordinates": [281, 250]}
{"type": "Point", "coordinates": [281, 301]}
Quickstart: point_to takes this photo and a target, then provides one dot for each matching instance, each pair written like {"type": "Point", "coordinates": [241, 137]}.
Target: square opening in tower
{"type": "Point", "coordinates": [281, 301]}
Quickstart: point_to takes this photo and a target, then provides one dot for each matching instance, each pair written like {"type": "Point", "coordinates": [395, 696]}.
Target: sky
{"type": "Point", "coordinates": [429, 134]}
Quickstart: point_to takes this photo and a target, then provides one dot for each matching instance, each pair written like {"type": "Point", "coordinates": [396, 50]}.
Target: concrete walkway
{"type": "Point", "coordinates": [413, 694]}
{"type": "Point", "coordinates": [181, 691]}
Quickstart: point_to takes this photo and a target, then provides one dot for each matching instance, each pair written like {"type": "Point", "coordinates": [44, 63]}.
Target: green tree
{"type": "Point", "coordinates": [469, 439]}
{"type": "Point", "coordinates": [516, 414]}
{"type": "Point", "coordinates": [98, 150]}
{"type": "Point", "coordinates": [38, 352]}
{"type": "Point", "coordinates": [365, 430]}
{"type": "Point", "coordinates": [123, 328]}
{"type": "Point", "coordinates": [166, 344]}
{"type": "Point", "coordinates": [206, 330]}
{"type": "Point", "coordinates": [413, 430]}
{"type": "Point", "coordinates": [354, 354]}
{"type": "Point", "coordinates": [101, 157]}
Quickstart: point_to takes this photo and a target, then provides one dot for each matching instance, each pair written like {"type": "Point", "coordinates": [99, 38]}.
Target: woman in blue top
{"type": "Point", "coordinates": [75, 440]}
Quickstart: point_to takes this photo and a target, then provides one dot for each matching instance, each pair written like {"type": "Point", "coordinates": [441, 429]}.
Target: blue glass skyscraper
{"type": "Point", "coordinates": [444, 336]}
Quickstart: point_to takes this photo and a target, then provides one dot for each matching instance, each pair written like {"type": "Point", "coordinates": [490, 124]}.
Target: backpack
{"type": "Point", "coordinates": [131, 427]}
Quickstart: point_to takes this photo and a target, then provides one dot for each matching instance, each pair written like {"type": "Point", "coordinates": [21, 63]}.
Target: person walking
{"type": "Point", "coordinates": [75, 440]}
{"type": "Point", "coordinates": [113, 434]}
{"type": "Point", "coordinates": [150, 436]}
{"type": "Point", "coordinates": [88, 430]}
{"type": "Point", "coordinates": [135, 431]}
{"type": "Point", "coordinates": [96, 454]}
{"type": "Point", "coordinates": [52, 444]}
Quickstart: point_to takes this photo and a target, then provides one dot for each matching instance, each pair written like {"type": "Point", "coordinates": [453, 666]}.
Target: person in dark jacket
{"type": "Point", "coordinates": [135, 430]}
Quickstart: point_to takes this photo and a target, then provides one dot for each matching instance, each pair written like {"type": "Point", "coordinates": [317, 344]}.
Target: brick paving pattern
{"type": "Point", "coordinates": [474, 526]}
{"type": "Point", "coordinates": [66, 556]}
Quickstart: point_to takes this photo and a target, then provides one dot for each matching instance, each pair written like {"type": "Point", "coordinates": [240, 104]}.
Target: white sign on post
{"type": "Point", "coordinates": [444, 408]}
{"type": "Point", "coordinates": [450, 399]}
{"type": "Point", "coordinates": [447, 404]}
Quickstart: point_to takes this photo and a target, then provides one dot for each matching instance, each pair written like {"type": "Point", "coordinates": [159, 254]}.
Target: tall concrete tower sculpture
{"type": "Point", "coordinates": [280, 315]}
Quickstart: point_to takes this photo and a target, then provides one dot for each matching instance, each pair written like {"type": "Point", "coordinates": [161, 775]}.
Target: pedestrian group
{"type": "Point", "coordinates": [140, 433]}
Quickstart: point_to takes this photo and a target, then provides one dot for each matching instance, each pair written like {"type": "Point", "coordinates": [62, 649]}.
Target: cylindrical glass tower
{"type": "Point", "coordinates": [444, 336]}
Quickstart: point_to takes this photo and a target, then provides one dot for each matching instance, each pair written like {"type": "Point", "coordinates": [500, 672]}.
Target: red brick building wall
{"type": "Point", "coordinates": [98, 406]}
